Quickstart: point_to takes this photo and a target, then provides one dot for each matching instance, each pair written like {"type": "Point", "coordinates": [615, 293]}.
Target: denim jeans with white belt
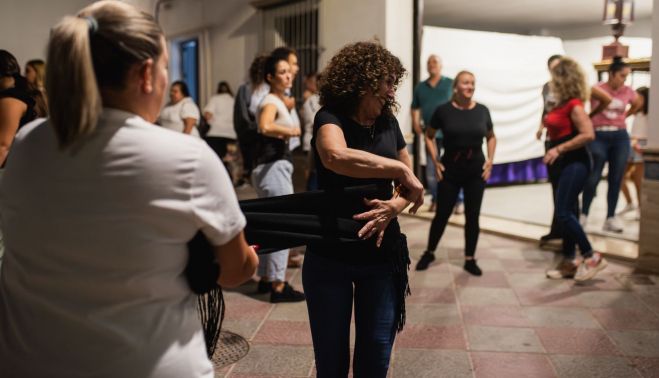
{"type": "Point", "coordinates": [611, 145]}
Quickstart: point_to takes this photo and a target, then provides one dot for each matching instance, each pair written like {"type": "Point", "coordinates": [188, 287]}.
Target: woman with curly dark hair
{"type": "Point", "coordinates": [357, 141]}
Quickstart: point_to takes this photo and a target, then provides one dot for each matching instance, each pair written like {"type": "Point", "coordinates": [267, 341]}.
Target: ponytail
{"type": "Point", "coordinates": [73, 95]}
{"type": "Point", "coordinates": [92, 54]}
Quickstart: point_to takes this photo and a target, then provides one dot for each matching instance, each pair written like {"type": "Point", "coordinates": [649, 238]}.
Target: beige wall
{"type": "Point", "coordinates": [389, 21]}
{"type": "Point", "coordinates": [25, 25]}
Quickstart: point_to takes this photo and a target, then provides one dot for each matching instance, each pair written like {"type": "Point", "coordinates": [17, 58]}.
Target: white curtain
{"type": "Point", "coordinates": [510, 71]}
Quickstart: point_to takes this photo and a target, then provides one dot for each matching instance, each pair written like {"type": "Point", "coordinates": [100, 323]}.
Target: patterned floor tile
{"type": "Point", "coordinates": [420, 363]}
{"type": "Point", "coordinates": [496, 365]}
{"type": "Point", "coordinates": [286, 361]}
{"type": "Point", "coordinates": [284, 333]}
{"type": "Point", "coordinates": [560, 317]}
{"type": "Point", "coordinates": [626, 319]}
{"type": "Point", "coordinates": [503, 339]}
{"type": "Point", "coordinates": [431, 337]}
{"type": "Point", "coordinates": [433, 314]}
{"type": "Point", "coordinates": [637, 343]}
{"type": "Point", "coordinates": [576, 341]}
{"type": "Point", "coordinates": [648, 367]}
{"type": "Point", "coordinates": [489, 278]}
{"type": "Point", "coordinates": [502, 316]}
{"type": "Point", "coordinates": [588, 366]}
{"type": "Point", "coordinates": [481, 296]}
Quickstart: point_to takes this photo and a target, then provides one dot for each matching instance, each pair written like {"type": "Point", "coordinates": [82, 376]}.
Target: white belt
{"type": "Point", "coordinates": [608, 128]}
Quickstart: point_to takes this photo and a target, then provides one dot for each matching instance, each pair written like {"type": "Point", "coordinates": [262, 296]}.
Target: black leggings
{"type": "Point", "coordinates": [460, 174]}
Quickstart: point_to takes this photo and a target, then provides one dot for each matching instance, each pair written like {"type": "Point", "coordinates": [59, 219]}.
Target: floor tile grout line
{"type": "Point", "coordinates": [464, 325]}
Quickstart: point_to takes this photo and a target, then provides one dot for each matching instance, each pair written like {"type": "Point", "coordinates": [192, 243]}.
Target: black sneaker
{"type": "Point", "coordinates": [287, 295]}
{"type": "Point", "coordinates": [264, 287]}
{"type": "Point", "coordinates": [472, 268]}
{"type": "Point", "coordinates": [425, 260]}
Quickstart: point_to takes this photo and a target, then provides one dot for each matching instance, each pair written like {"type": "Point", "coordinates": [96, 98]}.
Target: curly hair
{"type": "Point", "coordinates": [356, 70]}
{"type": "Point", "coordinates": [568, 81]}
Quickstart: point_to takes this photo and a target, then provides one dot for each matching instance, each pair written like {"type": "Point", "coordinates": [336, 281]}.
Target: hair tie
{"type": "Point", "coordinates": [92, 23]}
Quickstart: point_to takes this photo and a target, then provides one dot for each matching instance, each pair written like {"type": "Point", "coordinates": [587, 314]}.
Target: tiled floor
{"type": "Point", "coordinates": [511, 322]}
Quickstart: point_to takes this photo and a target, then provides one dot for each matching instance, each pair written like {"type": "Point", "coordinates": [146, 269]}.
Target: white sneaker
{"type": "Point", "coordinates": [628, 208]}
{"type": "Point", "coordinates": [590, 267]}
{"type": "Point", "coordinates": [583, 220]}
{"type": "Point", "coordinates": [612, 224]}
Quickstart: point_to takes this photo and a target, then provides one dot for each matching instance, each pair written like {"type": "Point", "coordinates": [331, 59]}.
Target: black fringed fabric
{"type": "Point", "coordinates": [401, 265]}
{"type": "Point", "coordinates": [211, 310]}
{"type": "Point", "coordinates": [201, 273]}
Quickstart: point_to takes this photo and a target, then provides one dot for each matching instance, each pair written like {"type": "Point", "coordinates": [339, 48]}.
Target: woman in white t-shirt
{"type": "Point", "coordinates": [219, 115]}
{"type": "Point", "coordinates": [181, 113]}
{"type": "Point", "coordinates": [97, 205]}
{"type": "Point", "coordinates": [279, 131]}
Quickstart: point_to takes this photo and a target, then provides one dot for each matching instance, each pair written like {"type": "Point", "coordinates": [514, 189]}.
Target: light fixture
{"type": "Point", "coordinates": [618, 14]}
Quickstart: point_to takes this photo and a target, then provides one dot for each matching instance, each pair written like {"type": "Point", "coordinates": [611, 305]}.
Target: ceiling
{"type": "Point", "coordinates": [520, 15]}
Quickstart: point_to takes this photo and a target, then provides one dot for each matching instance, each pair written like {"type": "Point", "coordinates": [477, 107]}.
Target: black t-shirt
{"type": "Point", "coordinates": [463, 129]}
{"type": "Point", "coordinates": [384, 140]}
{"type": "Point", "coordinates": [24, 96]}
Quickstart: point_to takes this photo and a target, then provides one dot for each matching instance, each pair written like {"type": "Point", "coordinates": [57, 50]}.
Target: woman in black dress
{"type": "Point", "coordinates": [465, 124]}
{"type": "Point", "coordinates": [357, 141]}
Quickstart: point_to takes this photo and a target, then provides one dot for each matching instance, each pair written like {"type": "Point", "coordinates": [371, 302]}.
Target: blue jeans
{"type": "Point", "coordinates": [612, 147]}
{"type": "Point", "coordinates": [570, 183]}
{"type": "Point", "coordinates": [330, 287]}
{"type": "Point", "coordinates": [271, 180]}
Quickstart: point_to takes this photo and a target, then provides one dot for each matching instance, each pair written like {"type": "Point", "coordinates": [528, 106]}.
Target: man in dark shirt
{"type": "Point", "coordinates": [428, 95]}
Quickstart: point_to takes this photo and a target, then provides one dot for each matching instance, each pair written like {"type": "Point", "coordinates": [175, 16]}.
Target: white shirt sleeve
{"type": "Point", "coordinates": [189, 110]}
{"type": "Point", "coordinates": [214, 202]}
{"type": "Point", "coordinates": [210, 107]}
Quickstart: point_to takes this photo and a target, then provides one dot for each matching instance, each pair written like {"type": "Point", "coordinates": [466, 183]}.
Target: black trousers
{"type": "Point", "coordinates": [461, 172]}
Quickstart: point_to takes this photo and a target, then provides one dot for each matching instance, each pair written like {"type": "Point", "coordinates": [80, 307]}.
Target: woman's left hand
{"type": "Point", "coordinates": [378, 218]}
{"type": "Point", "coordinates": [551, 156]}
{"type": "Point", "coordinates": [487, 170]}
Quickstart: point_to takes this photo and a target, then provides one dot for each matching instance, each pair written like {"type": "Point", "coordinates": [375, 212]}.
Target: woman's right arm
{"type": "Point", "coordinates": [268, 127]}
{"type": "Point", "coordinates": [337, 157]}
{"type": "Point", "coordinates": [237, 260]}
{"type": "Point", "coordinates": [11, 111]}
{"type": "Point", "coordinates": [601, 96]}
{"type": "Point", "coordinates": [585, 135]}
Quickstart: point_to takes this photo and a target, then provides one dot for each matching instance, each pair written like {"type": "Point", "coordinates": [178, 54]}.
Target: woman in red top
{"type": "Point", "coordinates": [569, 161]}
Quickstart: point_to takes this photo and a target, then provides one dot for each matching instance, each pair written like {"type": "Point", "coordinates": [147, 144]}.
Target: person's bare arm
{"type": "Point", "coordinates": [208, 116]}
{"type": "Point", "coordinates": [585, 135]}
{"type": "Point", "coordinates": [188, 125]}
{"type": "Point", "coordinates": [268, 127]}
{"type": "Point", "coordinates": [337, 157]}
{"type": "Point", "coordinates": [416, 121]}
{"type": "Point", "coordinates": [603, 98]}
{"type": "Point", "coordinates": [637, 105]}
{"type": "Point", "coordinates": [491, 148]}
{"type": "Point", "coordinates": [237, 260]}
{"type": "Point", "coordinates": [11, 111]}
{"type": "Point", "coordinates": [432, 151]}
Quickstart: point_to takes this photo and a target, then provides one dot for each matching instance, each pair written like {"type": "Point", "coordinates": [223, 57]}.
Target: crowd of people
{"type": "Point", "coordinates": [103, 176]}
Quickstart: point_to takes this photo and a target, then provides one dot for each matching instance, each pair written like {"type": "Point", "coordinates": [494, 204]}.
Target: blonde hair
{"type": "Point", "coordinates": [568, 81]}
{"type": "Point", "coordinates": [94, 50]}
{"type": "Point", "coordinates": [39, 67]}
{"type": "Point", "coordinates": [455, 82]}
